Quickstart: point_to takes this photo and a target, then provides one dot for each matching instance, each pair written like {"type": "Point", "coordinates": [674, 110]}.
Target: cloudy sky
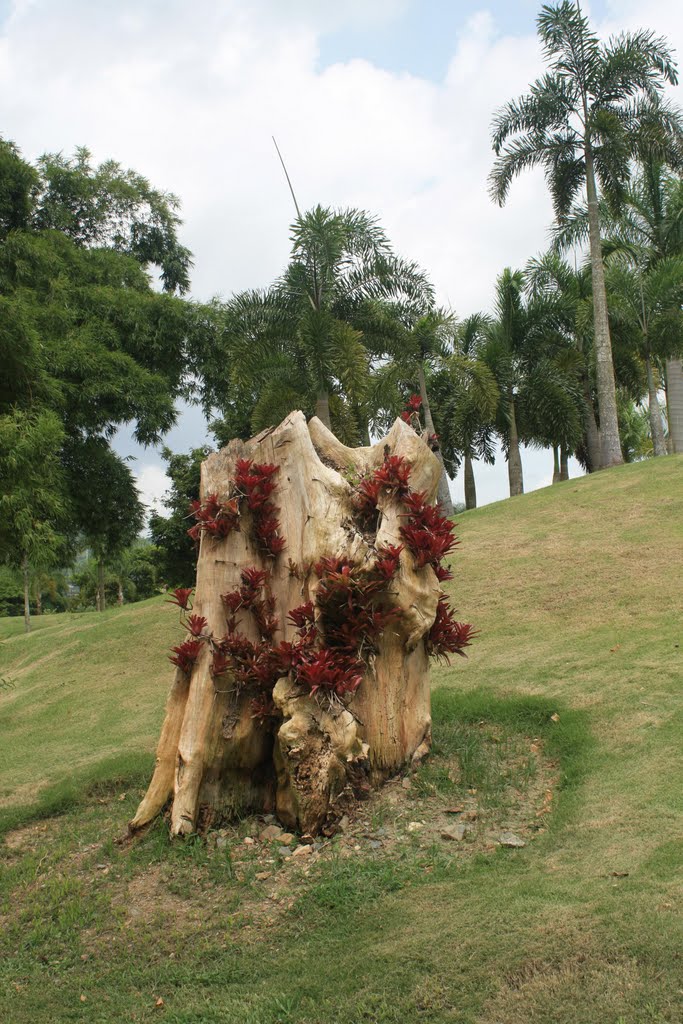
{"type": "Point", "coordinates": [379, 104]}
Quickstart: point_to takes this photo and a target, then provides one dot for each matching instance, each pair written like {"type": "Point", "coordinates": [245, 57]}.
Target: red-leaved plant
{"type": "Point", "coordinates": [181, 597]}
{"type": "Point", "coordinates": [185, 654]}
{"type": "Point", "coordinates": [446, 635]}
{"type": "Point", "coordinates": [392, 478]}
{"type": "Point", "coordinates": [215, 517]}
{"type": "Point", "coordinates": [255, 482]}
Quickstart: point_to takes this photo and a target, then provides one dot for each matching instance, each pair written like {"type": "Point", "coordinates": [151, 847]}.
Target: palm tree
{"type": "Point", "coordinates": [647, 228]}
{"type": "Point", "coordinates": [303, 342]}
{"type": "Point", "coordinates": [648, 302]}
{"type": "Point", "coordinates": [418, 349]}
{"type": "Point", "coordinates": [580, 121]}
{"type": "Point", "coordinates": [552, 280]}
{"type": "Point", "coordinates": [537, 370]}
{"type": "Point", "coordinates": [470, 401]}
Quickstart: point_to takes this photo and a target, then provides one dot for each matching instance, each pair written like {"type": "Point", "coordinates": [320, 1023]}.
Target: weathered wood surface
{"type": "Point", "coordinates": [212, 754]}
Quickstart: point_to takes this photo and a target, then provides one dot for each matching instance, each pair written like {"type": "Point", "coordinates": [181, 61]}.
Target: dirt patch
{"type": "Point", "coordinates": [408, 814]}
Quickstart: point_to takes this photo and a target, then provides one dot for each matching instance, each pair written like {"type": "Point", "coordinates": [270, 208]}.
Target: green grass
{"type": "Point", "coordinates": [577, 592]}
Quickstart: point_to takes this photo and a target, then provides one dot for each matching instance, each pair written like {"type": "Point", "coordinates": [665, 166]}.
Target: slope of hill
{"type": "Point", "coordinates": [577, 591]}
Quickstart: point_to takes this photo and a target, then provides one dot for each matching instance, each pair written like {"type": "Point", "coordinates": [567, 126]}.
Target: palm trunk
{"type": "Point", "coordinates": [674, 394]}
{"type": "Point", "coordinates": [556, 465]}
{"type": "Point", "coordinates": [444, 492]}
{"type": "Point", "coordinates": [656, 427]}
{"type": "Point", "coordinates": [591, 428]}
{"type": "Point", "coordinates": [322, 408]}
{"type": "Point", "coordinates": [101, 603]}
{"type": "Point", "coordinates": [470, 486]}
{"type": "Point", "coordinates": [119, 594]}
{"type": "Point", "coordinates": [610, 444]}
{"type": "Point", "coordinates": [27, 595]}
{"type": "Point", "coordinates": [564, 464]}
{"type": "Point", "coordinates": [514, 458]}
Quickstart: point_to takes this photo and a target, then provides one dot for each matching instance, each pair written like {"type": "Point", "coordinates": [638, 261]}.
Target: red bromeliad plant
{"type": "Point", "coordinates": [428, 534]}
{"type": "Point", "coordinates": [195, 624]}
{"type": "Point", "coordinates": [214, 517]}
{"type": "Point", "coordinates": [185, 654]}
{"type": "Point", "coordinates": [446, 635]}
{"type": "Point", "coordinates": [331, 671]}
{"type": "Point", "coordinates": [392, 477]}
{"type": "Point", "coordinates": [255, 482]}
{"type": "Point", "coordinates": [181, 598]}
{"type": "Point", "coordinates": [255, 597]}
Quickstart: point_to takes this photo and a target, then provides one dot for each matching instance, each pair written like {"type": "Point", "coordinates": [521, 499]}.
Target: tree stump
{"type": "Point", "coordinates": [303, 734]}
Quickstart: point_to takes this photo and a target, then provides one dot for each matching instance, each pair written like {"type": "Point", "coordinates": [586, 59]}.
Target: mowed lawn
{"type": "Point", "coordinates": [578, 593]}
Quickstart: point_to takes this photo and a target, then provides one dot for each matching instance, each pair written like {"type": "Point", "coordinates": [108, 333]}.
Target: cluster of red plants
{"type": "Point", "coordinates": [446, 635]}
{"type": "Point", "coordinates": [412, 409]}
{"type": "Point", "coordinates": [215, 517]}
{"type": "Point", "coordinates": [427, 532]}
{"type": "Point", "coordinates": [256, 483]}
{"type": "Point", "coordinates": [391, 478]}
{"type": "Point", "coordinates": [254, 596]}
{"type": "Point", "coordinates": [411, 415]}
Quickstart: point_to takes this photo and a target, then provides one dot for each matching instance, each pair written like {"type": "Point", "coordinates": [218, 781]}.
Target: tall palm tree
{"type": "Point", "coordinates": [579, 121]}
{"type": "Point", "coordinates": [504, 354]}
{"type": "Point", "coordinates": [537, 370]}
{"type": "Point", "coordinates": [472, 400]}
{"type": "Point", "coordinates": [551, 279]}
{"type": "Point", "coordinates": [647, 229]}
{"type": "Point", "coordinates": [648, 302]}
{"type": "Point", "coordinates": [417, 351]}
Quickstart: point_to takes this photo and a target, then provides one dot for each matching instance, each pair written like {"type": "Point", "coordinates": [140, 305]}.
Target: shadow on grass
{"type": "Point", "coordinates": [567, 739]}
{"type": "Point", "coordinates": [565, 732]}
{"type": "Point", "coordinates": [101, 779]}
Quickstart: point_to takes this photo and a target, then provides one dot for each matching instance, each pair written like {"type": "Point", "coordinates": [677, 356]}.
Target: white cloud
{"type": "Point", "coordinates": [190, 94]}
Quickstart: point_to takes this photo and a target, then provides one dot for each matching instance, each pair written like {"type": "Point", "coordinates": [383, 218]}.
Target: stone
{"type": "Point", "coordinates": [456, 834]}
{"type": "Point", "coordinates": [248, 841]}
{"type": "Point", "coordinates": [270, 833]}
{"type": "Point", "coordinates": [343, 823]}
{"type": "Point", "coordinates": [302, 851]}
{"type": "Point", "coordinates": [406, 783]}
{"type": "Point", "coordinates": [376, 844]}
{"type": "Point", "coordinates": [261, 876]}
{"type": "Point", "coordinates": [509, 839]}
{"type": "Point", "coordinates": [287, 838]}
{"type": "Point", "coordinates": [414, 826]}
{"type": "Point", "coordinates": [221, 842]}
{"type": "Point", "coordinates": [284, 851]}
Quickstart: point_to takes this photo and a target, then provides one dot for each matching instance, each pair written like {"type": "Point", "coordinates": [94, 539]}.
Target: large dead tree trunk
{"type": "Point", "coordinates": [214, 758]}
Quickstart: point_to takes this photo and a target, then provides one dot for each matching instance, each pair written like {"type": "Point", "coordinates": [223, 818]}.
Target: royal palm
{"type": "Point", "coordinates": [579, 122]}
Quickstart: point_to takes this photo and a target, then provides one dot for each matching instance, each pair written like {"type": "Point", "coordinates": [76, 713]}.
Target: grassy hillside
{"type": "Point", "coordinates": [577, 590]}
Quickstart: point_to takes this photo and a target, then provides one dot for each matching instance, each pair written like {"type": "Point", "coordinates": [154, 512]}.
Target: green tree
{"type": "Point", "coordinates": [647, 302]}
{"type": "Point", "coordinates": [580, 122]}
{"type": "Point", "coordinates": [647, 228]}
{"type": "Point", "coordinates": [537, 372]}
{"type": "Point", "coordinates": [307, 341]}
{"type": "Point", "coordinates": [108, 207]}
{"type": "Point", "coordinates": [176, 555]}
{"type": "Point", "coordinates": [32, 503]}
{"type": "Point", "coordinates": [105, 506]}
